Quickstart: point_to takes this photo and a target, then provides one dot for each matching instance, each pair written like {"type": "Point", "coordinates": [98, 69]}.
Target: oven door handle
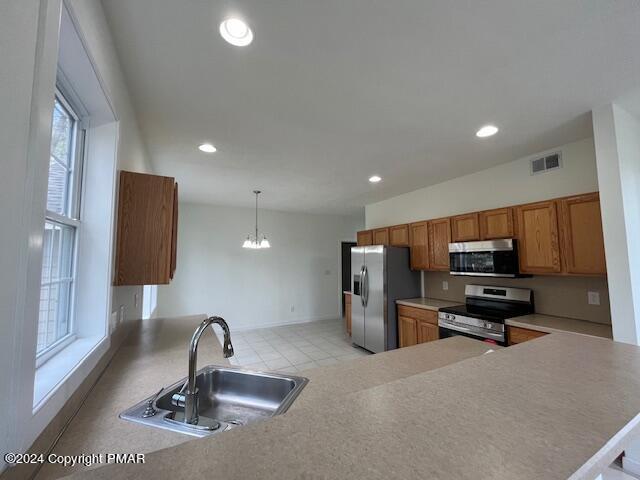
{"type": "Point", "coordinates": [471, 331]}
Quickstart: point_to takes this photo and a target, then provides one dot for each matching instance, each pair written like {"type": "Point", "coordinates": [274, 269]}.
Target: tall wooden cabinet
{"type": "Point", "coordinates": [539, 243]}
{"type": "Point", "coordinates": [147, 229]}
{"type": "Point", "coordinates": [439, 239]}
{"type": "Point", "coordinates": [582, 238]}
{"type": "Point", "coordinates": [419, 243]}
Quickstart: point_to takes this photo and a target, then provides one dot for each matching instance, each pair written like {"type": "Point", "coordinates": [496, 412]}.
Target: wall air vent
{"type": "Point", "coordinates": [552, 161]}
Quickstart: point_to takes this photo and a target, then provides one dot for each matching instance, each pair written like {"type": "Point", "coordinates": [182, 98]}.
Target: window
{"type": "Point", "coordinates": [61, 227]}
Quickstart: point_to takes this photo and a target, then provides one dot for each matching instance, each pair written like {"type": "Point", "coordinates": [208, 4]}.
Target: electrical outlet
{"type": "Point", "coordinates": [121, 314]}
{"type": "Point", "coordinates": [445, 285]}
{"type": "Point", "coordinates": [593, 298]}
{"type": "Point", "coordinates": [135, 300]}
{"type": "Point", "coordinates": [293, 308]}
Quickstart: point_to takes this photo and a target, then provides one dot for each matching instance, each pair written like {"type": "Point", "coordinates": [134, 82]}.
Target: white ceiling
{"type": "Point", "coordinates": [333, 91]}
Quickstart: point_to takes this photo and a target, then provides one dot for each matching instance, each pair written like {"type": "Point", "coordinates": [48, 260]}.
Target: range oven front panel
{"type": "Point", "coordinates": [451, 325]}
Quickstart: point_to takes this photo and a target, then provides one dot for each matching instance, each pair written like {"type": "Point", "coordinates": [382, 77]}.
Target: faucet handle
{"type": "Point", "coordinates": [150, 409]}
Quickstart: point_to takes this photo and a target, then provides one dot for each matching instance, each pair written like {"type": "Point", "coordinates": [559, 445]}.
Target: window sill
{"type": "Point", "coordinates": [51, 374]}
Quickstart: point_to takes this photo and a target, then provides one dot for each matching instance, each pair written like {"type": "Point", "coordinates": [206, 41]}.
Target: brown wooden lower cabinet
{"type": "Point", "coordinates": [517, 335]}
{"type": "Point", "coordinates": [416, 325]}
{"type": "Point", "coordinates": [427, 331]}
{"type": "Point", "coordinates": [347, 312]}
{"type": "Point", "coordinates": [407, 331]}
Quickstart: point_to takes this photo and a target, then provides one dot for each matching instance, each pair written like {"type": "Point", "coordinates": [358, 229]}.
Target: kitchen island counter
{"type": "Point", "coordinates": [536, 410]}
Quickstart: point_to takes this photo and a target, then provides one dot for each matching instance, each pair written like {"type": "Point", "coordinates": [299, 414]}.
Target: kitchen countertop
{"type": "Point", "coordinates": [154, 355]}
{"type": "Point", "coordinates": [366, 372]}
{"type": "Point", "coordinates": [427, 303]}
{"type": "Point", "coordinates": [550, 324]}
{"type": "Point", "coordinates": [535, 410]}
{"type": "Point", "coordinates": [535, 321]}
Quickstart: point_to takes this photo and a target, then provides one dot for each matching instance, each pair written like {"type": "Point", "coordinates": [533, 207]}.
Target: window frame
{"type": "Point", "coordinates": [71, 219]}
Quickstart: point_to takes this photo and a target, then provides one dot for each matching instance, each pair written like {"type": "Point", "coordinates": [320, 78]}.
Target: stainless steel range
{"type": "Point", "coordinates": [484, 312]}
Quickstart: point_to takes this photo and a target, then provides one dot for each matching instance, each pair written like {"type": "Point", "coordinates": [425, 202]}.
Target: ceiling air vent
{"type": "Point", "coordinates": [544, 164]}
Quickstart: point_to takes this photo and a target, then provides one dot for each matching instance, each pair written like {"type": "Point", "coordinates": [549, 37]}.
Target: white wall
{"type": "Point", "coordinates": [18, 30]}
{"type": "Point", "coordinates": [30, 29]}
{"type": "Point", "coordinates": [132, 152]}
{"type": "Point", "coordinates": [256, 288]}
{"type": "Point", "coordinates": [617, 137]}
{"type": "Point", "coordinates": [504, 185]}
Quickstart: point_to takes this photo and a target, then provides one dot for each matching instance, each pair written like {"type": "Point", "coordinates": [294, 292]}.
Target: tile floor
{"type": "Point", "coordinates": [293, 348]}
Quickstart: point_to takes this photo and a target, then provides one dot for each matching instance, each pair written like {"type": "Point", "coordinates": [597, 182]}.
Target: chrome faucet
{"type": "Point", "coordinates": [188, 395]}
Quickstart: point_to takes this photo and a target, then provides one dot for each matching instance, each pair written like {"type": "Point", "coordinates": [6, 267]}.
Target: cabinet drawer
{"type": "Point", "coordinates": [419, 314]}
{"type": "Point", "coordinates": [518, 335]}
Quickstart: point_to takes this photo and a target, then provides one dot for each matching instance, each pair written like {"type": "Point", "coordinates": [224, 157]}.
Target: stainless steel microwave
{"type": "Point", "coordinates": [491, 258]}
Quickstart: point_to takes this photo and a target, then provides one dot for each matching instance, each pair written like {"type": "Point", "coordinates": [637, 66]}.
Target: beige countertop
{"type": "Point", "coordinates": [535, 321]}
{"type": "Point", "coordinates": [347, 292]}
{"type": "Point", "coordinates": [427, 303]}
{"type": "Point", "coordinates": [551, 324]}
{"type": "Point", "coordinates": [541, 409]}
{"type": "Point", "coordinates": [154, 355]}
{"type": "Point", "coordinates": [373, 370]}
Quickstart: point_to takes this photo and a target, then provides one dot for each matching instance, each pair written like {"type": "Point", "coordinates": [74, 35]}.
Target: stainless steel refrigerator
{"type": "Point", "coordinates": [380, 275]}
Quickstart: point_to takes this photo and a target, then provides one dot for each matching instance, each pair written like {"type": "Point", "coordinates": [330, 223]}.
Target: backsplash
{"type": "Point", "coordinates": [553, 295]}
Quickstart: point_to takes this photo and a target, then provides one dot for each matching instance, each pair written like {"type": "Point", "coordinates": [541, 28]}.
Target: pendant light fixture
{"type": "Point", "coordinates": [254, 241]}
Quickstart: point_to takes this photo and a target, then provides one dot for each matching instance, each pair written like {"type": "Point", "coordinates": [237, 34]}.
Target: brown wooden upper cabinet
{"type": "Point", "coordinates": [439, 239]}
{"type": "Point", "coordinates": [539, 249]}
{"type": "Point", "coordinates": [381, 236]}
{"type": "Point", "coordinates": [465, 228]}
{"type": "Point", "coordinates": [496, 223]}
{"type": "Point", "coordinates": [582, 239]}
{"type": "Point", "coordinates": [174, 232]}
{"type": "Point", "coordinates": [399, 235]}
{"type": "Point", "coordinates": [419, 243]}
{"type": "Point", "coordinates": [365, 237]}
{"type": "Point", "coordinates": [147, 229]}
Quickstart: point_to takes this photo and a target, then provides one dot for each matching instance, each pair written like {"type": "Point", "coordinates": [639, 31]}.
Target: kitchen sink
{"type": "Point", "coordinates": [228, 397]}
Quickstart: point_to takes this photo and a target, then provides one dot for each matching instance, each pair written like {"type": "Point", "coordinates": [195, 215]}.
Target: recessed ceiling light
{"type": "Point", "coordinates": [207, 148]}
{"type": "Point", "coordinates": [236, 32]}
{"type": "Point", "coordinates": [487, 131]}
{"type": "Point", "coordinates": [374, 179]}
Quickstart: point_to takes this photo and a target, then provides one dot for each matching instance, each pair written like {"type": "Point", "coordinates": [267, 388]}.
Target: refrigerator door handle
{"type": "Point", "coordinates": [362, 285]}
{"type": "Point", "coordinates": [365, 286]}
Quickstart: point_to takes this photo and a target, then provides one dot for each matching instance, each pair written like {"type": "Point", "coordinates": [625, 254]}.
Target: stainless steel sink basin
{"type": "Point", "coordinates": [228, 397]}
